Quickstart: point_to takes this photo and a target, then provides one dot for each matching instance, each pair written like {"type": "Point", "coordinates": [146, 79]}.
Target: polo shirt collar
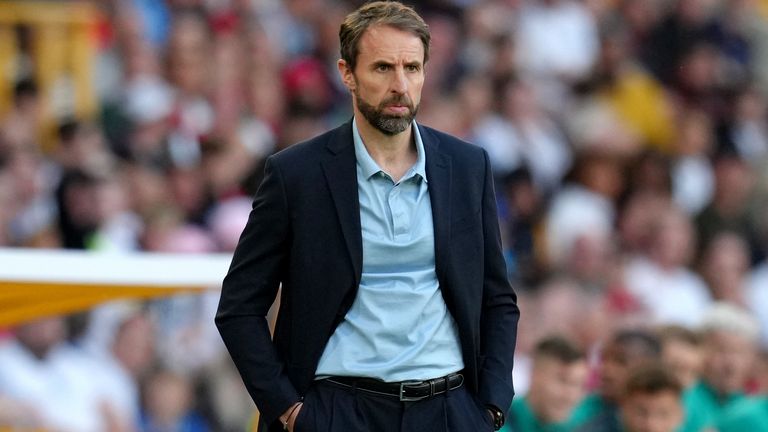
{"type": "Point", "coordinates": [369, 167]}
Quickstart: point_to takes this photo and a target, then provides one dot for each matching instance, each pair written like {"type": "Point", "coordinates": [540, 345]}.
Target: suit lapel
{"type": "Point", "coordinates": [439, 184]}
{"type": "Point", "coordinates": [341, 175]}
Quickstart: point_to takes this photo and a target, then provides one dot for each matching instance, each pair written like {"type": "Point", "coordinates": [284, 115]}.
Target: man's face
{"type": "Point", "coordinates": [654, 412]}
{"type": "Point", "coordinates": [556, 388]}
{"type": "Point", "coordinates": [41, 335]}
{"type": "Point", "coordinates": [387, 80]}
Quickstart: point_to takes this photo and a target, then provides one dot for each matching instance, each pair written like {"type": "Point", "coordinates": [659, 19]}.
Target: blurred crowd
{"type": "Point", "coordinates": [629, 140]}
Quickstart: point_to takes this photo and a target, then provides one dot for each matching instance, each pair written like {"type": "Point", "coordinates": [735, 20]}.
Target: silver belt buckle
{"type": "Point", "coordinates": [404, 398]}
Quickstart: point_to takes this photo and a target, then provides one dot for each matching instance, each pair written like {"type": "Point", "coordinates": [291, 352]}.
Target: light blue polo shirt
{"type": "Point", "coordinates": [398, 327]}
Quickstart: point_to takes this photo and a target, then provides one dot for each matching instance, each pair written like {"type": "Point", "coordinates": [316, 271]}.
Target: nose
{"type": "Point", "coordinates": [399, 82]}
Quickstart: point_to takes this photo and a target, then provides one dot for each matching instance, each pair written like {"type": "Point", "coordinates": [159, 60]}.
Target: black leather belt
{"type": "Point", "coordinates": [405, 391]}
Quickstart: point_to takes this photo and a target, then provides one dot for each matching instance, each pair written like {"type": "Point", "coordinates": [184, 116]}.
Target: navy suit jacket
{"type": "Point", "coordinates": [304, 233]}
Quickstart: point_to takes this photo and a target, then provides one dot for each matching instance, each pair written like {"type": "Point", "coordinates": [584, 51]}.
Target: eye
{"type": "Point", "coordinates": [382, 67]}
{"type": "Point", "coordinates": [412, 68]}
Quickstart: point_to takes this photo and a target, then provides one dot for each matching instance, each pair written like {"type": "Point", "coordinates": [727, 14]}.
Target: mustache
{"type": "Point", "coordinates": [403, 100]}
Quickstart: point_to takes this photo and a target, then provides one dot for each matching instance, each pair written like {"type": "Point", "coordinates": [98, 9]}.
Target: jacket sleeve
{"type": "Point", "coordinates": [248, 291]}
{"type": "Point", "coordinates": [500, 312]}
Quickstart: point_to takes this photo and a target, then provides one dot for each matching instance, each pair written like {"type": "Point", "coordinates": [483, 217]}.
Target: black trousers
{"type": "Point", "coordinates": [332, 408]}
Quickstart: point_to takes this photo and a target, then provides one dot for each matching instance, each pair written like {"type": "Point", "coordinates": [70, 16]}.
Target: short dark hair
{"type": "Point", "coordinates": [558, 348]}
{"type": "Point", "coordinates": [652, 378]}
{"type": "Point", "coordinates": [23, 89]}
{"type": "Point", "coordinates": [68, 129]}
{"type": "Point", "coordinates": [388, 13]}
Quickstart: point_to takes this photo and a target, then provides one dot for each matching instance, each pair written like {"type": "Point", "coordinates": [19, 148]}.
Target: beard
{"type": "Point", "coordinates": [388, 124]}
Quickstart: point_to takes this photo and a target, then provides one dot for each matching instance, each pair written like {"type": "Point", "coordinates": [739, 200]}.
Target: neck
{"type": "Point", "coordinates": [395, 154]}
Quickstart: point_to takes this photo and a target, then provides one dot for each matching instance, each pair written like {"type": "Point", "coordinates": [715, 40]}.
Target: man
{"type": "Point", "coordinates": [652, 400]}
{"type": "Point", "coordinates": [52, 385]}
{"type": "Point", "coordinates": [627, 350]}
{"type": "Point", "coordinates": [395, 312]}
{"type": "Point", "coordinates": [558, 383]}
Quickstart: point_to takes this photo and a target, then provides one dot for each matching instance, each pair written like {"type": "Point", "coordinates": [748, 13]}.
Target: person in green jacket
{"type": "Point", "coordinates": [750, 414]}
{"type": "Point", "coordinates": [731, 338]}
{"type": "Point", "coordinates": [558, 381]}
{"type": "Point", "coordinates": [682, 350]}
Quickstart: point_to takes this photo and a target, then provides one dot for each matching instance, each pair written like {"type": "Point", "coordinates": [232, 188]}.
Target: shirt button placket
{"type": "Point", "coordinates": [396, 207]}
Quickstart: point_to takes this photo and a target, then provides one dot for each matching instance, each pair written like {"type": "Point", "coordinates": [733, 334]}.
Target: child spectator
{"type": "Point", "coordinates": [652, 400]}
{"type": "Point", "coordinates": [730, 346]}
{"type": "Point", "coordinates": [168, 405]}
{"type": "Point", "coordinates": [557, 384]}
{"type": "Point", "coordinates": [682, 353]}
{"type": "Point", "coordinates": [625, 351]}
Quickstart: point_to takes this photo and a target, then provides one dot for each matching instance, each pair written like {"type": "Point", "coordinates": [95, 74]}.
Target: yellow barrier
{"type": "Point", "coordinates": [35, 283]}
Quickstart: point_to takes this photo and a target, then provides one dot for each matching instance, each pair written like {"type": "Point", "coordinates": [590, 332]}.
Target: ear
{"type": "Point", "coordinates": [346, 74]}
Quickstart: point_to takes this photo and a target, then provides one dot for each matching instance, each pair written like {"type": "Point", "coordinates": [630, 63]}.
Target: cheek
{"type": "Point", "coordinates": [416, 87]}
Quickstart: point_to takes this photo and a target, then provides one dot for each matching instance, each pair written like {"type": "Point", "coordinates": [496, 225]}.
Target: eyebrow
{"type": "Point", "coordinates": [378, 63]}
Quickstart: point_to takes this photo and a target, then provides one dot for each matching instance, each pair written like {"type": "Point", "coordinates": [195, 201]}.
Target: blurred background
{"type": "Point", "coordinates": [629, 140]}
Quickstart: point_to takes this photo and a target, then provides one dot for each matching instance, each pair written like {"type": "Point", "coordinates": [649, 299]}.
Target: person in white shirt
{"type": "Point", "coordinates": [659, 278]}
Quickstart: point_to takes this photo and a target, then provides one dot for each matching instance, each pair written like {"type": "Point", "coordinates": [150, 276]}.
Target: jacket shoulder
{"type": "Point", "coordinates": [454, 146]}
{"type": "Point", "coordinates": [304, 151]}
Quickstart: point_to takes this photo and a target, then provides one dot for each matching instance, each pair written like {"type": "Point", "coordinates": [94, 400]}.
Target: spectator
{"type": "Point", "coordinates": [638, 216]}
{"type": "Point", "coordinates": [583, 210]}
{"type": "Point", "coordinates": [748, 130]}
{"type": "Point", "coordinates": [522, 135]}
{"type": "Point", "coordinates": [76, 199]}
{"type": "Point", "coordinates": [638, 99]}
{"type": "Point", "coordinates": [674, 36]}
{"type": "Point", "coordinates": [659, 278]}
{"type": "Point", "coordinates": [693, 180]}
{"type": "Point", "coordinates": [626, 350]}
{"type": "Point", "coordinates": [557, 44]}
{"type": "Point", "coordinates": [168, 405]}
{"type": "Point", "coordinates": [729, 209]}
{"type": "Point", "coordinates": [117, 370]}
{"type": "Point", "coordinates": [682, 353]}
{"type": "Point", "coordinates": [20, 128]}
{"type": "Point", "coordinates": [651, 401]}
{"type": "Point", "coordinates": [752, 413]}
{"type": "Point", "coordinates": [558, 383]}
{"type": "Point", "coordinates": [730, 346]}
{"type": "Point", "coordinates": [724, 266]}
{"type": "Point", "coordinates": [51, 382]}
{"type": "Point", "coordinates": [522, 212]}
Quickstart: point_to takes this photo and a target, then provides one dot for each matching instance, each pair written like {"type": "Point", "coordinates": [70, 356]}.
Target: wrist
{"type": "Point", "coordinates": [497, 415]}
{"type": "Point", "coordinates": [287, 416]}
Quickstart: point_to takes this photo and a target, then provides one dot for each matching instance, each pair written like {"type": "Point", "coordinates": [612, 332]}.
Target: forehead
{"type": "Point", "coordinates": [382, 42]}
